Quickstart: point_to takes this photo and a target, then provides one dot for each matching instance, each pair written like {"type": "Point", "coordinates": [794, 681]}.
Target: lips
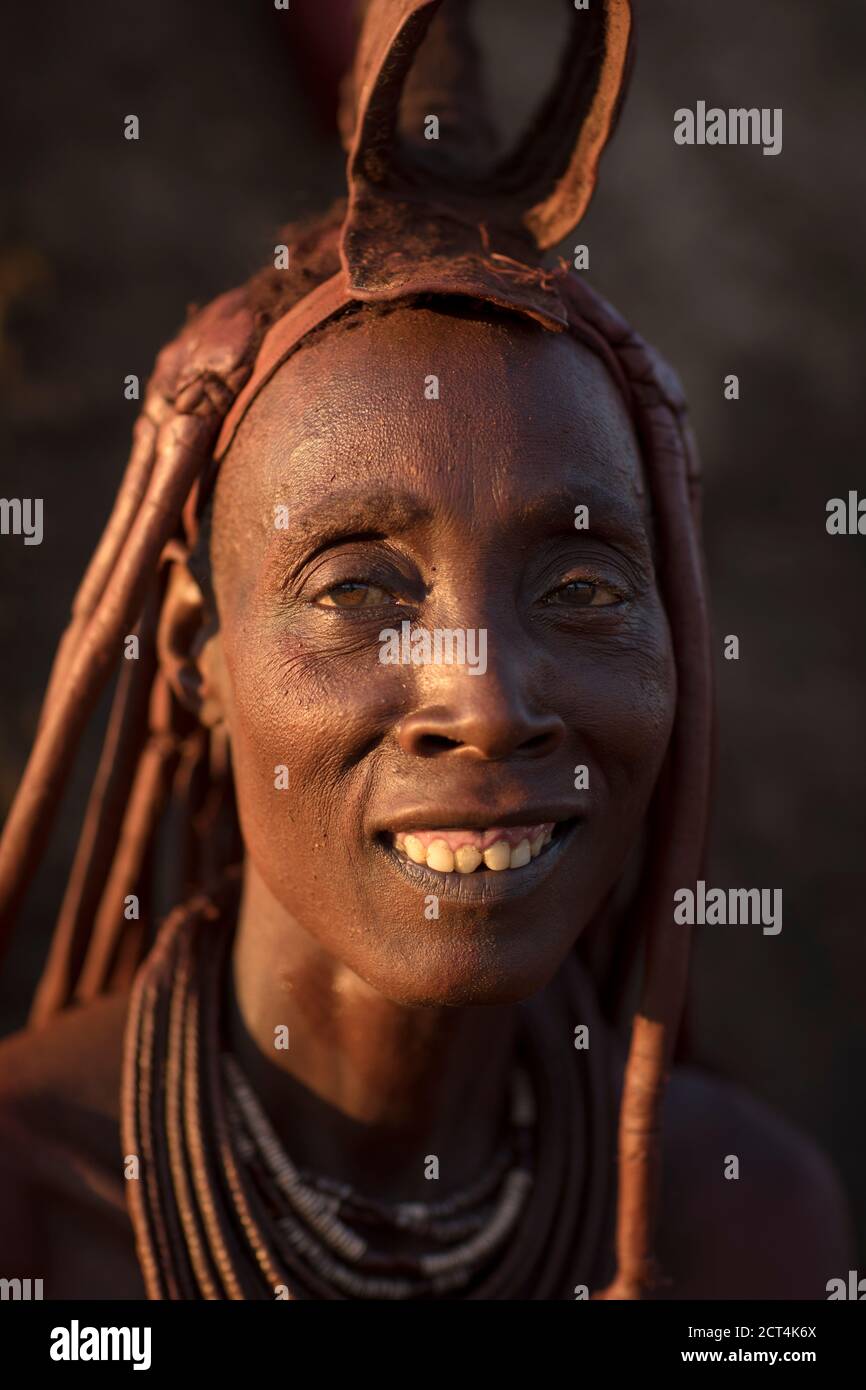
{"type": "Point", "coordinates": [455, 846]}
{"type": "Point", "coordinates": [467, 851]}
{"type": "Point", "coordinates": [483, 887]}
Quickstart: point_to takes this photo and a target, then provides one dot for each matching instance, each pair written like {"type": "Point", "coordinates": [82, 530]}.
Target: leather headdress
{"type": "Point", "coordinates": [412, 229]}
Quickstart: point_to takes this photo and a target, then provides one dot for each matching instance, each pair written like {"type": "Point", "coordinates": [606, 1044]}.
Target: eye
{"type": "Point", "coordinates": [353, 593]}
{"type": "Point", "coordinates": [586, 593]}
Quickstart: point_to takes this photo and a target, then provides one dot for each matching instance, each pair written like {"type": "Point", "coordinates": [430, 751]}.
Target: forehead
{"type": "Point", "coordinates": [461, 408]}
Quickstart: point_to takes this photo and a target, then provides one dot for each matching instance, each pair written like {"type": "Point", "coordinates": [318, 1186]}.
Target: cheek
{"type": "Point", "coordinates": [300, 724]}
{"type": "Point", "coordinates": [307, 726]}
{"type": "Point", "coordinates": [622, 707]}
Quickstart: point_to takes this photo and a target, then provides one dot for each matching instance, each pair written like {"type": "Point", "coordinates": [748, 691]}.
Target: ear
{"type": "Point", "coordinates": [190, 649]}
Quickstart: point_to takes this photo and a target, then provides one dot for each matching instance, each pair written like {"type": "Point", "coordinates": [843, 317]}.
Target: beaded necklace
{"type": "Point", "coordinates": [312, 1215]}
{"type": "Point", "coordinates": [221, 1212]}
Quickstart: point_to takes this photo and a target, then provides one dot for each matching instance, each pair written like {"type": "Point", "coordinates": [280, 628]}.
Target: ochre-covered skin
{"type": "Point", "coordinates": [409, 497]}
{"type": "Point", "coordinates": [455, 511]}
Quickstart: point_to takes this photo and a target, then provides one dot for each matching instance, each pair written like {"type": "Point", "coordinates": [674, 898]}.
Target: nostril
{"type": "Point", "coordinates": [489, 731]}
{"type": "Point", "coordinates": [429, 745]}
{"type": "Point", "coordinates": [537, 744]}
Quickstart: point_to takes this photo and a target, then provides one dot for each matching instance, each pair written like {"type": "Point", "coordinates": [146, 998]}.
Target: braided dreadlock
{"type": "Point", "coordinates": [157, 762]}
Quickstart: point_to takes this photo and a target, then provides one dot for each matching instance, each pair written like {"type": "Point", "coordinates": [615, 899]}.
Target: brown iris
{"type": "Point", "coordinates": [352, 594]}
{"type": "Point", "coordinates": [585, 593]}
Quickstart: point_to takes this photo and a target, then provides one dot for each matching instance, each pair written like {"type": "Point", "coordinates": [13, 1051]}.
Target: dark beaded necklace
{"type": "Point", "coordinates": [220, 1211]}
{"type": "Point", "coordinates": [459, 1235]}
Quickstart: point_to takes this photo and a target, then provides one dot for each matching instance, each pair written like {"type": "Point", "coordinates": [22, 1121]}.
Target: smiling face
{"type": "Point", "coordinates": [353, 502]}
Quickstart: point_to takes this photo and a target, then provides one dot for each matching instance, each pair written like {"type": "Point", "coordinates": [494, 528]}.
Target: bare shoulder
{"type": "Point", "coordinates": [62, 1200]}
{"type": "Point", "coordinates": [751, 1206]}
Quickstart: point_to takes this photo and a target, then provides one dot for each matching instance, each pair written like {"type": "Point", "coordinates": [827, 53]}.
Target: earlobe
{"type": "Point", "coordinates": [190, 648]}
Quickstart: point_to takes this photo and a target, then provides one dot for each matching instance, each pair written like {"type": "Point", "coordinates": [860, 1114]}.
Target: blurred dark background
{"type": "Point", "coordinates": [727, 260]}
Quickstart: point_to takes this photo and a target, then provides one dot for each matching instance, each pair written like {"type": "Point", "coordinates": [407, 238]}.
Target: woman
{"type": "Point", "coordinates": [378, 1059]}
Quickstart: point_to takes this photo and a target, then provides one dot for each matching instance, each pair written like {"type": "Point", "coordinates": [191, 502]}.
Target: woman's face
{"type": "Point", "coordinates": [356, 500]}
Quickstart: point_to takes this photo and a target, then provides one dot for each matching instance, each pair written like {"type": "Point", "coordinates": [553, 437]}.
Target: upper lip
{"type": "Point", "coordinates": [474, 817]}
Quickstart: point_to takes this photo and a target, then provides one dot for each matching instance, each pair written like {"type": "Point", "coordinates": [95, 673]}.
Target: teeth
{"type": "Point", "coordinates": [467, 858]}
{"type": "Point", "coordinates": [464, 851]}
{"type": "Point", "coordinates": [520, 855]}
{"type": "Point", "coordinates": [498, 856]}
{"type": "Point", "coordinates": [415, 850]}
{"type": "Point", "coordinates": [441, 857]}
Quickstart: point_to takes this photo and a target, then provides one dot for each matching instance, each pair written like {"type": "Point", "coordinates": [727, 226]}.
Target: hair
{"type": "Point", "coordinates": [160, 771]}
{"type": "Point", "coordinates": [157, 764]}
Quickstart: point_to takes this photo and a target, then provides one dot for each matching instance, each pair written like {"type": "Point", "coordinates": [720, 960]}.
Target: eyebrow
{"type": "Point", "coordinates": [623, 520]}
{"type": "Point", "coordinates": [601, 501]}
{"type": "Point", "coordinates": [356, 512]}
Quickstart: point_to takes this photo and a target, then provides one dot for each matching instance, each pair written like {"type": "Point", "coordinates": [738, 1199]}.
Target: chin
{"type": "Point", "coordinates": [479, 938]}
{"type": "Point", "coordinates": [496, 963]}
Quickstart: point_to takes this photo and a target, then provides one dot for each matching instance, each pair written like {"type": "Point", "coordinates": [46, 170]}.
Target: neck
{"type": "Point", "coordinates": [367, 1090]}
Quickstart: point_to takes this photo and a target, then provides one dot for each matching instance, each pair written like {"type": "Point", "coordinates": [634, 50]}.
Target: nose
{"type": "Point", "coordinates": [484, 717]}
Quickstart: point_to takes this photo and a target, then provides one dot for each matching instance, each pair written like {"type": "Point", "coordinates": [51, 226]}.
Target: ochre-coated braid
{"type": "Point", "coordinates": [125, 736]}
{"type": "Point", "coordinates": [678, 844]}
